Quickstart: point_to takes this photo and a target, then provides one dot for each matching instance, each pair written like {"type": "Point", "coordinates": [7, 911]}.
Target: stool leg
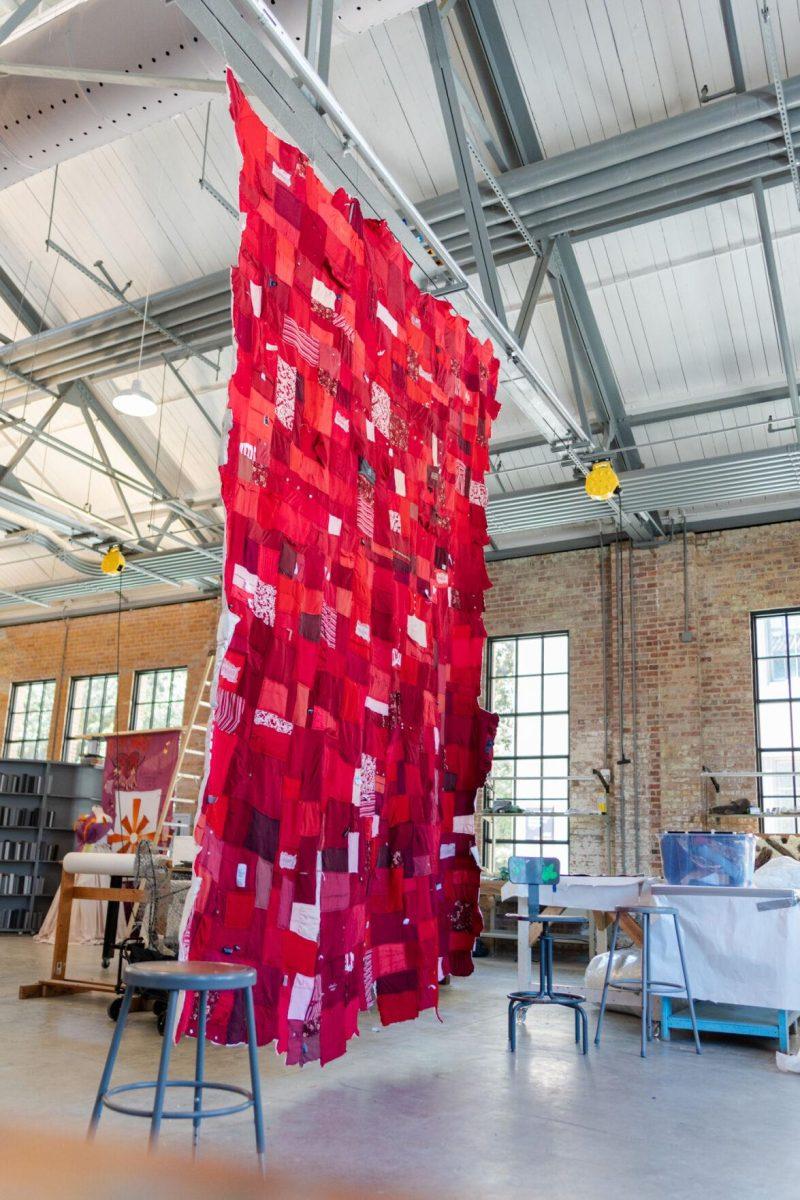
{"type": "Point", "coordinates": [512, 1025]}
{"type": "Point", "coordinates": [255, 1082]}
{"type": "Point", "coordinates": [689, 997]}
{"type": "Point", "coordinates": [585, 1029]}
{"type": "Point", "coordinates": [550, 967]}
{"type": "Point", "coordinates": [611, 949]}
{"type": "Point", "coordinates": [577, 1025]}
{"type": "Point", "coordinates": [199, 1070]}
{"type": "Point", "coordinates": [163, 1068]}
{"type": "Point", "coordinates": [649, 981]}
{"type": "Point", "coordinates": [645, 979]}
{"type": "Point", "coordinates": [125, 1008]}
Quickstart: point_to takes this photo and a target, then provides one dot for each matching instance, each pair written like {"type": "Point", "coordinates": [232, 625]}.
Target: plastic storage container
{"type": "Point", "coordinates": [717, 859]}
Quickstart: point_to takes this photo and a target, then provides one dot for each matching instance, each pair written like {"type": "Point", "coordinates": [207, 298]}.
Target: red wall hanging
{"type": "Point", "coordinates": [337, 826]}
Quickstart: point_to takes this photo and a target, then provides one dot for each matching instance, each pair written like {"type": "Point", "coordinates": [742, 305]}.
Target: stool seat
{"type": "Point", "coordinates": [173, 976]}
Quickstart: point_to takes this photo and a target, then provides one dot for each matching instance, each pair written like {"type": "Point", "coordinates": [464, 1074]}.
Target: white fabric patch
{"type": "Point", "coordinates": [426, 375]}
{"type": "Point", "coordinates": [285, 389]}
{"type": "Point", "coordinates": [334, 525]}
{"type": "Point", "coordinates": [262, 603]}
{"type": "Point", "coordinates": [384, 315]}
{"type": "Point", "coordinates": [381, 409]}
{"type": "Point", "coordinates": [376, 825]}
{"type": "Point", "coordinates": [370, 431]}
{"type": "Point", "coordinates": [417, 631]}
{"type": "Point", "coordinates": [376, 706]}
{"type": "Point", "coordinates": [244, 579]}
{"type": "Point", "coordinates": [304, 921]}
{"type": "Point", "coordinates": [300, 999]}
{"type": "Point", "coordinates": [352, 853]}
{"type": "Point", "coordinates": [279, 173]}
{"type": "Point", "coordinates": [271, 720]}
{"type": "Point", "coordinates": [362, 630]}
{"type": "Point", "coordinates": [447, 850]}
{"type": "Point", "coordinates": [256, 291]}
{"type": "Point", "coordinates": [397, 658]}
{"type": "Point", "coordinates": [435, 449]}
{"type": "Point", "coordinates": [399, 482]}
{"type": "Point", "coordinates": [241, 875]}
{"type": "Point", "coordinates": [356, 797]}
{"type": "Point", "coordinates": [342, 421]}
{"type": "Point", "coordinates": [464, 824]}
{"type": "Point", "coordinates": [247, 450]}
{"type": "Point", "coordinates": [322, 294]}
{"type": "Point", "coordinates": [287, 862]}
{"type": "Point", "coordinates": [478, 493]}
{"type": "Point", "coordinates": [394, 521]}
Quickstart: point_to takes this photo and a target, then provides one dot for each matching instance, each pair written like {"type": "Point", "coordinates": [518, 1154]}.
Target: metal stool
{"type": "Point", "coordinates": [173, 978]}
{"type": "Point", "coordinates": [535, 872]}
{"type": "Point", "coordinates": [649, 986]}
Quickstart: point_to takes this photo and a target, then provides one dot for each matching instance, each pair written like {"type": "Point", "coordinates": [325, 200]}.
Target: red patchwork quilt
{"type": "Point", "coordinates": [337, 826]}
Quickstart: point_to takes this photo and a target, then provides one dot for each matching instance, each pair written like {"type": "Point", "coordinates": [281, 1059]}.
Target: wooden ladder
{"type": "Point", "coordinates": [191, 758]}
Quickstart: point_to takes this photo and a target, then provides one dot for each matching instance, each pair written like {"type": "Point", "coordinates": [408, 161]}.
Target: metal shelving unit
{"type": "Point", "coordinates": [39, 804]}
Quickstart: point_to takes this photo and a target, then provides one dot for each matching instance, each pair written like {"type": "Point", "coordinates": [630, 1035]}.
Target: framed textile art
{"type": "Point", "coordinates": [138, 779]}
{"type": "Point", "coordinates": [337, 824]}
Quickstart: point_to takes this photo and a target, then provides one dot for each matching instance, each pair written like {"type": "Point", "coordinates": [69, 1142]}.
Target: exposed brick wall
{"type": "Point", "coordinates": [175, 635]}
{"type": "Point", "coordinates": [694, 699]}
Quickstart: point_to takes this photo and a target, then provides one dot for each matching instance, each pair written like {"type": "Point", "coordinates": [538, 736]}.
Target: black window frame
{"type": "Point", "coordinates": [150, 704]}
{"type": "Point", "coordinates": [492, 826]}
{"type": "Point", "coordinates": [773, 824]}
{"type": "Point", "coordinates": [42, 739]}
{"type": "Point", "coordinates": [72, 739]}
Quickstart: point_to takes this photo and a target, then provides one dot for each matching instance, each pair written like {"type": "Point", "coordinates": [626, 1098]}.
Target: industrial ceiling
{"type": "Point", "coordinates": [615, 178]}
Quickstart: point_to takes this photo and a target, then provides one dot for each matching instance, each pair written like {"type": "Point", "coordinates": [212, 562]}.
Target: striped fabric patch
{"type": "Point", "coordinates": [228, 712]}
{"type": "Point", "coordinates": [305, 345]}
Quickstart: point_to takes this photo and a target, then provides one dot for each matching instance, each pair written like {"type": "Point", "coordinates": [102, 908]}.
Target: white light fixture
{"type": "Point", "coordinates": [134, 401]}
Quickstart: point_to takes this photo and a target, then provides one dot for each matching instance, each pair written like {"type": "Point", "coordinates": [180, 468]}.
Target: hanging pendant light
{"type": "Point", "coordinates": [602, 481]}
{"type": "Point", "coordinates": [134, 401]}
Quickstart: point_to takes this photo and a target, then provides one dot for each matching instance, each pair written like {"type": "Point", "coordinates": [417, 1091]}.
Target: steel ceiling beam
{"type": "Point", "coordinates": [447, 92]}
{"type": "Point", "coordinates": [123, 78]}
{"type": "Point", "coordinates": [532, 292]}
{"type": "Point", "coordinates": [21, 13]}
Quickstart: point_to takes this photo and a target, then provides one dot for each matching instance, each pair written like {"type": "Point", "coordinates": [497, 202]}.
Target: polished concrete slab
{"type": "Point", "coordinates": [440, 1108]}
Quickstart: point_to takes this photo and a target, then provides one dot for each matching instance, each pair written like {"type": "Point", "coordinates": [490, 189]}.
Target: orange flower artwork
{"type": "Point", "coordinates": [133, 830]}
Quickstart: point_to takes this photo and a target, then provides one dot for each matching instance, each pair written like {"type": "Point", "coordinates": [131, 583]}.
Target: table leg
{"type": "Point", "coordinates": [523, 947]}
{"type": "Point", "coordinates": [112, 917]}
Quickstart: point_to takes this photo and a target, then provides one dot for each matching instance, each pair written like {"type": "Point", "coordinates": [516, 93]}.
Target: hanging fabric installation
{"type": "Point", "coordinates": [337, 826]}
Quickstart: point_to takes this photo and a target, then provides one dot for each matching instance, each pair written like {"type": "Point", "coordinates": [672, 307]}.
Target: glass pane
{"type": "Point", "coordinates": [793, 621]}
{"type": "Point", "coordinates": [556, 693]}
{"type": "Point", "coordinates": [504, 828]}
{"type": "Point", "coordinates": [528, 790]}
{"type": "Point", "coordinates": [503, 695]}
{"type": "Point", "coordinates": [774, 725]}
{"type": "Point", "coordinates": [17, 725]}
{"type": "Point", "coordinates": [555, 767]}
{"type": "Point", "coordinates": [529, 735]}
{"type": "Point", "coordinates": [91, 722]}
{"type": "Point", "coordinates": [80, 691]}
{"type": "Point", "coordinates": [530, 656]}
{"type": "Point", "coordinates": [529, 768]}
{"type": "Point", "coordinates": [530, 829]}
{"type": "Point", "coordinates": [108, 720]}
{"type": "Point", "coordinates": [503, 789]}
{"type": "Point", "coordinates": [36, 691]}
{"type": "Point", "coordinates": [503, 658]}
{"type": "Point", "coordinates": [770, 636]}
{"type": "Point", "coordinates": [556, 734]}
{"type": "Point", "coordinates": [163, 682]}
{"type": "Point", "coordinates": [556, 654]}
{"type": "Point", "coordinates": [554, 790]}
{"type": "Point", "coordinates": [529, 694]}
{"type": "Point", "coordinates": [794, 677]}
{"type": "Point", "coordinates": [175, 713]}
{"type": "Point", "coordinates": [502, 767]}
{"type": "Point", "coordinates": [501, 857]}
{"type": "Point", "coordinates": [179, 685]}
{"type": "Point", "coordinates": [144, 689]}
{"type": "Point", "coordinates": [504, 738]}
{"type": "Point", "coordinates": [32, 724]}
{"type": "Point", "coordinates": [550, 850]}
{"type": "Point", "coordinates": [96, 689]}
{"type": "Point", "coordinates": [773, 683]}
{"type": "Point", "coordinates": [111, 690]}
{"type": "Point", "coordinates": [49, 692]}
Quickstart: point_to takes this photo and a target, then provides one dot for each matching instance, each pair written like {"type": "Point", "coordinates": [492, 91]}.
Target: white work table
{"type": "Point", "coordinates": [588, 893]}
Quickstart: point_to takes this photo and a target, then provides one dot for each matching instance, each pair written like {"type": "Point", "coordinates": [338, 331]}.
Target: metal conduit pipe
{"type": "Point", "coordinates": [626, 149]}
{"type": "Point", "coordinates": [622, 760]}
{"type": "Point", "coordinates": [757, 143]}
{"type": "Point", "coordinates": [637, 857]}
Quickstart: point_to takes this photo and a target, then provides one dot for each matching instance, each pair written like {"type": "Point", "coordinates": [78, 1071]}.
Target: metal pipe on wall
{"type": "Point", "coordinates": [637, 857]}
{"type": "Point", "coordinates": [622, 760]}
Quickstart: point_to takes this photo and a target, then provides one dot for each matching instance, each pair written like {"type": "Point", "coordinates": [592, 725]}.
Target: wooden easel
{"type": "Point", "coordinates": [58, 984]}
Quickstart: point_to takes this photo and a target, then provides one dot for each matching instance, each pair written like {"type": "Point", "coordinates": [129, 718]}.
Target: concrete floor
{"type": "Point", "coordinates": [429, 1109]}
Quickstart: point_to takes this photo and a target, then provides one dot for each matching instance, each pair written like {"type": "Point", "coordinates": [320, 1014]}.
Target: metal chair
{"type": "Point", "coordinates": [174, 978]}
{"type": "Point", "coordinates": [535, 872]}
{"type": "Point", "coordinates": [649, 986]}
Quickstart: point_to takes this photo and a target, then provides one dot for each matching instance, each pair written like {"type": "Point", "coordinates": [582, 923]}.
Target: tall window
{"type": "Point", "coordinates": [158, 698]}
{"type": "Point", "coordinates": [29, 715]}
{"type": "Point", "coordinates": [92, 712]}
{"type": "Point", "coordinates": [528, 686]}
{"type": "Point", "coordinates": [776, 645]}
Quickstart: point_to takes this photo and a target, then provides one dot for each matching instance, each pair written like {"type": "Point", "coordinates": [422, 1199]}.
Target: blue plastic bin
{"type": "Point", "coordinates": [718, 859]}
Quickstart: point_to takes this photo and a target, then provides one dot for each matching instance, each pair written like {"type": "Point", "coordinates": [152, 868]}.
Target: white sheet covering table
{"type": "Point", "coordinates": [735, 954]}
{"type": "Point", "coordinates": [589, 893]}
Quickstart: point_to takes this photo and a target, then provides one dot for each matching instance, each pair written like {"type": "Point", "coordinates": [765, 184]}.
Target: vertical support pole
{"type": "Point", "coordinates": [319, 28]}
{"type": "Point", "coordinates": [467, 185]}
{"type": "Point", "coordinates": [778, 311]}
{"type": "Point", "coordinates": [571, 352]}
{"type": "Point", "coordinates": [532, 291]}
